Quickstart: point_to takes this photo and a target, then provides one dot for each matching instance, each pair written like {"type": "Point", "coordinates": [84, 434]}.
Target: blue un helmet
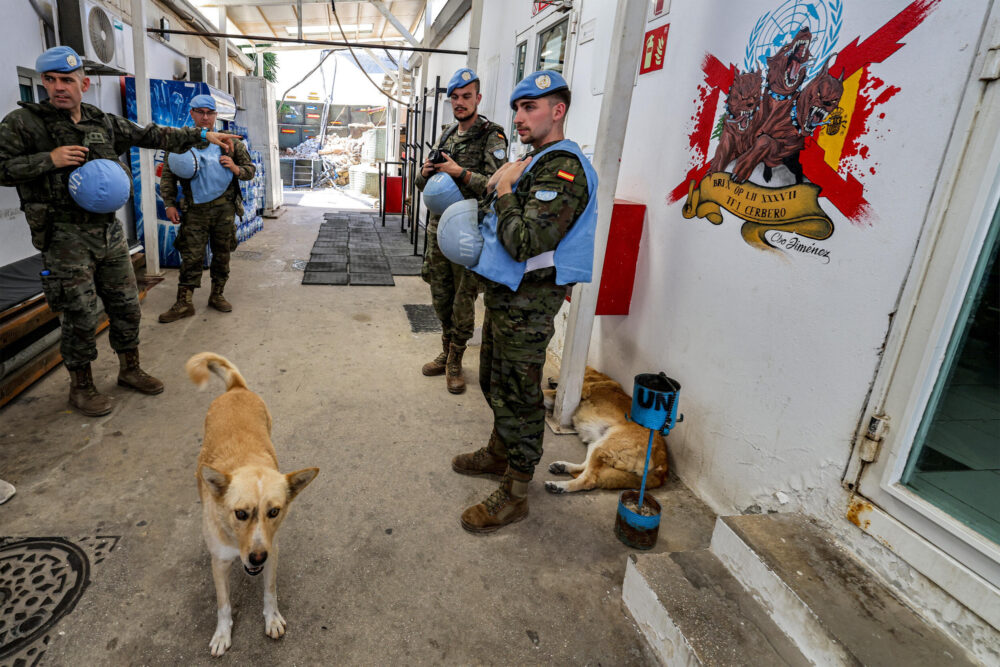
{"type": "Point", "coordinates": [461, 78]}
{"type": "Point", "coordinates": [440, 193]}
{"type": "Point", "coordinates": [183, 165]}
{"type": "Point", "coordinates": [458, 233]}
{"type": "Point", "coordinates": [538, 84]}
{"type": "Point", "coordinates": [100, 186]}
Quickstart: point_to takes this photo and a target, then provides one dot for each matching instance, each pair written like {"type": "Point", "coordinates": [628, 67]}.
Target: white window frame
{"type": "Point", "coordinates": [965, 200]}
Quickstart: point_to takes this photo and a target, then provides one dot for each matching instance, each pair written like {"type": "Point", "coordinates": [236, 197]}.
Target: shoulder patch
{"type": "Point", "coordinates": [566, 176]}
{"type": "Point", "coordinates": [499, 153]}
{"type": "Point", "coordinates": [546, 195]}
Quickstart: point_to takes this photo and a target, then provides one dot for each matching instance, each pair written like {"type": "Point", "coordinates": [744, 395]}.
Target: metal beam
{"type": "Point", "coordinates": [379, 5]}
{"type": "Point", "coordinates": [143, 110]}
{"type": "Point", "coordinates": [629, 21]}
{"type": "Point", "coordinates": [446, 19]}
{"type": "Point", "coordinates": [292, 40]}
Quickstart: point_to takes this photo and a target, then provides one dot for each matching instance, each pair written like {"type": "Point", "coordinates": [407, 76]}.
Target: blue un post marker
{"type": "Point", "coordinates": [654, 405]}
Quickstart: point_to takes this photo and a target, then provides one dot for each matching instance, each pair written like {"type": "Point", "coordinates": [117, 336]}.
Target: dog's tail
{"type": "Point", "coordinates": [199, 365]}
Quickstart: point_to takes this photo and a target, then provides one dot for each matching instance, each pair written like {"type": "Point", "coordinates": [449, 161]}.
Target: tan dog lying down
{"type": "Point", "coordinates": [616, 447]}
{"type": "Point", "coordinates": [244, 498]}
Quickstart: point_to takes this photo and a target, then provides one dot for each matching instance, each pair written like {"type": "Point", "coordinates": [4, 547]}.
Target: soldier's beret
{"type": "Point", "coordinates": [538, 84]}
{"type": "Point", "coordinates": [461, 78]}
{"type": "Point", "coordinates": [202, 102]}
{"type": "Point", "coordinates": [58, 59]}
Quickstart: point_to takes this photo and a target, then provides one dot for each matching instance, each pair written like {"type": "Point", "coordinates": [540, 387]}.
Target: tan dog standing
{"type": "Point", "coordinates": [244, 497]}
{"type": "Point", "coordinates": [616, 447]}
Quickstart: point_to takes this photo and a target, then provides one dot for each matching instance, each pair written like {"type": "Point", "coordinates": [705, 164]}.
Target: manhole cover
{"type": "Point", "coordinates": [41, 581]}
{"type": "Point", "coordinates": [422, 318]}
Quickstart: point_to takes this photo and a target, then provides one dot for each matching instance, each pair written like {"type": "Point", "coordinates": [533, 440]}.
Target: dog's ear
{"type": "Point", "coordinates": [217, 481]}
{"type": "Point", "coordinates": [299, 480]}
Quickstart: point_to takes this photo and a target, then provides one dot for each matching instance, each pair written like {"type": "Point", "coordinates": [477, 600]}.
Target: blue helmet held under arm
{"type": "Point", "coordinates": [100, 186]}
{"type": "Point", "coordinates": [183, 165]}
{"type": "Point", "coordinates": [458, 233]}
{"type": "Point", "coordinates": [440, 193]}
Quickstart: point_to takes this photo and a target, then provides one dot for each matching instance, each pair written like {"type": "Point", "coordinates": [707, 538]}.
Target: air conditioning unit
{"type": "Point", "coordinates": [199, 69]}
{"type": "Point", "coordinates": [98, 34]}
{"type": "Point", "coordinates": [236, 89]}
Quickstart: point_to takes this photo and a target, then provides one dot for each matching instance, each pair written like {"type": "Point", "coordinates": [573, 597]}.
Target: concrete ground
{"type": "Point", "coordinates": [375, 568]}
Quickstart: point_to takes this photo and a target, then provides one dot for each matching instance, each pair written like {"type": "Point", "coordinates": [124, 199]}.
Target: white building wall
{"type": "Point", "coordinates": [22, 43]}
{"type": "Point", "coordinates": [775, 350]}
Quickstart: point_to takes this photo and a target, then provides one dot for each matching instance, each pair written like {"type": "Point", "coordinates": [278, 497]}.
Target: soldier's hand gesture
{"type": "Point", "coordinates": [69, 156]}
{"type": "Point", "coordinates": [228, 163]}
{"type": "Point", "coordinates": [449, 166]}
{"type": "Point", "coordinates": [222, 139]}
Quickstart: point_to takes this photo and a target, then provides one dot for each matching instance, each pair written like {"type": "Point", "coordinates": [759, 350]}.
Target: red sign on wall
{"type": "Point", "coordinates": [654, 45]}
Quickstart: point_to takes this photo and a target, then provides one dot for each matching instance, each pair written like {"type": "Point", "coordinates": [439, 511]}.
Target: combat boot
{"type": "Point", "coordinates": [130, 375]}
{"type": "Point", "coordinates": [488, 460]}
{"type": "Point", "coordinates": [83, 395]}
{"type": "Point", "coordinates": [506, 505]}
{"type": "Point", "coordinates": [454, 379]}
{"type": "Point", "coordinates": [217, 301]}
{"type": "Point", "coordinates": [440, 362]}
{"type": "Point", "coordinates": [182, 307]}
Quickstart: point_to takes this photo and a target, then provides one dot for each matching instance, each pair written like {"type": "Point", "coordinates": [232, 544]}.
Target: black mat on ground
{"type": "Point", "coordinates": [372, 279]}
{"type": "Point", "coordinates": [405, 266]}
{"type": "Point", "coordinates": [353, 248]}
{"type": "Point", "coordinates": [324, 278]}
{"type": "Point", "coordinates": [422, 318]}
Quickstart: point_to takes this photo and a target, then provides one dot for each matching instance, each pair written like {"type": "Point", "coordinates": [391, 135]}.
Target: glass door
{"type": "Point", "coordinates": [955, 460]}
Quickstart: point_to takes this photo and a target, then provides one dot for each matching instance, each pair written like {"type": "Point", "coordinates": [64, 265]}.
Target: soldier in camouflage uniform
{"type": "Point", "coordinates": [475, 148]}
{"type": "Point", "coordinates": [211, 222]}
{"type": "Point", "coordinates": [85, 254]}
{"type": "Point", "coordinates": [519, 324]}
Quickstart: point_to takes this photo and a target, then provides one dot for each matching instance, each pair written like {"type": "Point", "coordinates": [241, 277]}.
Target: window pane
{"type": "Point", "coordinates": [522, 52]}
{"type": "Point", "coordinates": [955, 461]}
{"type": "Point", "coordinates": [552, 48]}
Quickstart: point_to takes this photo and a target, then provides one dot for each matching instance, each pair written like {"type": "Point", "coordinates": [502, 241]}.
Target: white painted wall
{"type": "Point", "coordinates": [22, 43]}
{"type": "Point", "coordinates": [776, 352]}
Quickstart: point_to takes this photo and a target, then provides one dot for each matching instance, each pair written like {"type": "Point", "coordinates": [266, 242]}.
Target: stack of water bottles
{"type": "Point", "coordinates": [252, 192]}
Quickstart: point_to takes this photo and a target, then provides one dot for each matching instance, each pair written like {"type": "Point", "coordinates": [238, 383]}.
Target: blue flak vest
{"type": "Point", "coordinates": [573, 257]}
{"type": "Point", "coordinates": [212, 179]}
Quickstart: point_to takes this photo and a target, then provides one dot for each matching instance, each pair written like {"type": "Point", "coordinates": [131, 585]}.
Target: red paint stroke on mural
{"type": "Point", "coordinates": [844, 190]}
{"type": "Point", "coordinates": [718, 78]}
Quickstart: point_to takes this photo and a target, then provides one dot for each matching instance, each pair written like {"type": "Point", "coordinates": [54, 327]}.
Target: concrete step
{"type": "Point", "coordinates": [829, 604]}
{"type": "Point", "coordinates": [692, 611]}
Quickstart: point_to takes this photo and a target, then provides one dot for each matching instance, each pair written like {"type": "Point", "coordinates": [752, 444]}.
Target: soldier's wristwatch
{"type": "Point", "coordinates": [204, 133]}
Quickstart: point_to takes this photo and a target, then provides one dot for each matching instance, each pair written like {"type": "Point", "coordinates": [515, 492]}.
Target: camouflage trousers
{"type": "Point", "coordinates": [206, 224]}
{"type": "Point", "coordinates": [453, 290]}
{"type": "Point", "coordinates": [87, 261]}
{"type": "Point", "coordinates": [516, 333]}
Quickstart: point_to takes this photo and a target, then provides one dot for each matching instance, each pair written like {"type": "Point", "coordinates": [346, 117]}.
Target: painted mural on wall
{"type": "Point", "coordinates": [793, 134]}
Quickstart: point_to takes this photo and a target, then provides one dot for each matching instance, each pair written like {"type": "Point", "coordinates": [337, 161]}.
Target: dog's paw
{"type": "Point", "coordinates": [555, 487]}
{"type": "Point", "coordinates": [221, 641]}
{"type": "Point", "coordinates": [557, 467]}
{"type": "Point", "coordinates": [274, 624]}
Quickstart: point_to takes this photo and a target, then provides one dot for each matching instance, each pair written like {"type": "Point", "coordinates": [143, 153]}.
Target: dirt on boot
{"type": "Point", "coordinates": [507, 505]}
{"type": "Point", "coordinates": [440, 362]}
{"type": "Point", "coordinates": [83, 395]}
{"type": "Point", "coordinates": [132, 376]}
{"type": "Point", "coordinates": [217, 301]}
{"type": "Point", "coordinates": [182, 308]}
{"type": "Point", "coordinates": [455, 380]}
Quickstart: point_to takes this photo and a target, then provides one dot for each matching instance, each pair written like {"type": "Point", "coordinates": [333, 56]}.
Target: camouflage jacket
{"type": "Point", "coordinates": [169, 180]}
{"type": "Point", "coordinates": [482, 150]}
{"type": "Point", "coordinates": [29, 134]}
{"type": "Point", "coordinates": [534, 218]}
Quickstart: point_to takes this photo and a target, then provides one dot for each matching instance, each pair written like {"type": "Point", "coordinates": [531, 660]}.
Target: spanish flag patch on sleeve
{"type": "Point", "coordinates": [565, 175]}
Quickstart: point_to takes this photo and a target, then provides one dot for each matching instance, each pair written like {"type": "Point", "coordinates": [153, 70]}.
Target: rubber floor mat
{"type": "Point", "coordinates": [405, 266]}
{"type": "Point", "coordinates": [324, 278]}
{"type": "Point", "coordinates": [422, 318]}
{"type": "Point", "coordinates": [372, 279]}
